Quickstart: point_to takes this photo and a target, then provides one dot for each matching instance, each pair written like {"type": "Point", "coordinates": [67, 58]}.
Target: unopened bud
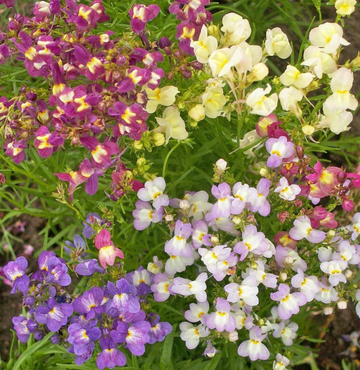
{"type": "Point", "coordinates": [233, 336]}
{"type": "Point", "coordinates": [214, 240]}
{"type": "Point", "coordinates": [308, 130]}
{"type": "Point", "coordinates": [331, 233]}
{"type": "Point", "coordinates": [263, 172]}
{"type": "Point", "coordinates": [184, 204]}
{"type": "Point", "coordinates": [158, 138]}
{"type": "Point", "coordinates": [258, 73]}
{"type": "Point", "coordinates": [348, 274]}
{"type": "Point", "coordinates": [236, 220]}
{"type": "Point", "coordinates": [197, 113]}
{"type": "Point", "coordinates": [214, 31]}
{"type": "Point", "coordinates": [283, 276]}
{"type": "Point", "coordinates": [169, 218]}
{"type": "Point", "coordinates": [288, 260]}
{"type": "Point", "coordinates": [328, 310]}
{"type": "Point", "coordinates": [342, 305]}
{"type": "Point", "coordinates": [138, 145]}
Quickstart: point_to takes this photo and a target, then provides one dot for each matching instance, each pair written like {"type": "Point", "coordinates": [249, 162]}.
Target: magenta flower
{"type": "Point", "coordinates": [177, 246]}
{"type": "Point", "coordinates": [326, 179]}
{"type": "Point", "coordinates": [107, 250]}
{"type": "Point", "coordinates": [140, 15]}
{"type": "Point", "coordinates": [15, 149]}
{"type": "Point", "coordinates": [135, 336]}
{"type": "Point", "coordinates": [91, 173]}
{"type": "Point", "coordinates": [53, 314]}
{"type": "Point", "coordinates": [303, 229]}
{"type": "Point", "coordinates": [290, 303]}
{"type": "Point", "coordinates": [254, 347]}
{"type": "Point", "coordinates": [101, 153]}
{"type": "Point", "coordinates": [15, 272]}
{"type": "Point", "coordinates": [279, 149]}
{"type": "Point", "coordinates": [222, 319]}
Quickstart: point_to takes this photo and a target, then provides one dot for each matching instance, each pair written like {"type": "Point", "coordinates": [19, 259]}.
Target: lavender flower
{"type": "Point", "coordinates": [110, 355]}
{"type": "Point", "coordinates": [23, 327]}
{"type": "Point", "coordinates": [15, 272]}
{"type": "Point", "coordinates": [254, 347]}
{"type": "Point", "coordinates": [81, 334]}
{"type": "Point", "coordinates": [191, 334]}
{"type": "Point", "coordinates": [222, 319]}
{"type": "Point", "coordinates": [186, 287]}
{"type": "Point", "coordinates": [89, 303]}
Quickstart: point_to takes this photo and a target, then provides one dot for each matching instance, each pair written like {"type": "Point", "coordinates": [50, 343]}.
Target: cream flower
{"type": "Point", "coordinates": [213, 100]}
{"type": "Point", "coordinates": [249, 56]}
{"type": "Point", "coordinates": [260, 103]}
{"type": "Point", "coordinates": [163, 96]}
{"type": "Point", "coordinates": [221, 61]}
{"type": "Point", "coordinates": [204, 46]}
{"type": "Point", "coordinates": [345, 7]}
{"type": "Point", "coordinates": [292, 76]}
{"type": "Point", "coordinates": [338, 121]}
{"type": "Point", "coordinates": [328, 36]}
{"type": "Point", "coordinates": [319, 61]}
{"type": "Point", "coordinates": [236, 29]}
{"type": "Point", "coordinates": [197, 113]}
{"type": "Point", "coordinates": [277, 43]}
{"type": "Point", "coordinates": [172, 124]}
{"type": "Point", "coordinates": [289, 98]}
{"type": "Point", "coordinates": [341, 83]}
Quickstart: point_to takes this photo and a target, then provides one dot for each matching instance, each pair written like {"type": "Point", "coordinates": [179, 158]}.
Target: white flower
{"type": "Point", "coordinates": [172, 124]}
{"type": "Point", "coordinates": [328, 36]}
{"type": "Point", "coordinates": [213, 100]}
{"type": "Point", "coordinates": [191, 335]}
{"type": "Point", "coordinates": [277, 43]}
{"type": "Point", "coordinates": [320, 61]}
{"type": "Point", "coordinates": [249, 138]}
{"type": "Point", "coordinates": [204, 46]}
{"type": "Point", "coordinates": [286, 191]}
{"type": "Point", "coordinates": [163, 96]}
{"type": "Point", "coordinates": [258, 73]}
{"type": "Point", "coordinates": [260, 103]}
{"type": "Point", "coordinates": [337, 120]}
{"type": "Point", "coordinates": [197, 113]}
{"type": "Point", "coordinates": [236, 29]}
{"type": "Point", "coordinates": [289, 98]}
{"type": "Point", "coordinates": [345, 7]}
{"type": "Point", "coordinates": [249, 56]}
{"type": "Point", "coordinates": [281, 362]}
{"type": "Point", "coordinates": [197, 310]}
{"type": "Point", "coordinates": [341, 99]}
{"type": "Point", "coordinates": [178, 263]}
{"type": "Point", "coordinates": [222, 60]}
{"type": "Point", "coordinates": [292, 76]}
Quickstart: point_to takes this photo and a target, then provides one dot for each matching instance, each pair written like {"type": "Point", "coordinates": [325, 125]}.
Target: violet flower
{"type": "Point", "coordinates": [186, 287]}
{"type": "Point", "coordinates": [89, 303]}
{"type": "Point", "coordinates": [123, 297]}
{"type": "Point", "coordinates": [144, 215]}
{"type": "Point", "coordinates": [303, 229]}
{"type": "Point", "coordinates": [110, 356]}
{"type": "Point", "coordinates": [81, 334]}
{"type": "Point", "coordinates": [15, 272]}
{"type": "Point", "coordinates": [159, 330]}
{"type": "Point", "coordinates": [23, 327]}
{"type": "Point", "coordinates": [177, 246]}
{"type": "Point", "coordinates": [278, 149]}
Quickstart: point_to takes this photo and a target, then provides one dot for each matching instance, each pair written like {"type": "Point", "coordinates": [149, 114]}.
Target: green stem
{"type": "Point", "coordinates": [167, 158]}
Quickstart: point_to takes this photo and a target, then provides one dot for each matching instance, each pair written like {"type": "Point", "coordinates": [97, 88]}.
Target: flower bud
{"type": "Point", "coordinates": [215, 240]}
{"type": "Point", "coordinates": [138, 145]}
{"type": "Point", "coordinates": [328, 310]}
{"type": "Point", "coordinates": [214, 31]}
{"type": "Point", "coordinates": [283, 276]}
{"type": "Point", "coordinates": [348, 274]}
{"type": "Point", "coordinates": [288, 260]}
{"type": "Point", "coordinates": [158, 138]}
{"type": "Point", "coordinates": [169, 218]}
{"type": "Point", "coordinates": [331, 233]}
{"type": "Point", "coordinates": [236, 220]}
{"type": "Point", "coordinates": [258, 73]}
{"type": "Point", "coordinates": [184, 204]}
{"type": "Point", "coordinates": [164, 42]}
{"type": "Point", "coordinates": [342, 305]}
{"type": "Point", "coordinates": [197, 113]}
{"type": "Point", "coordinates": [264, 172]}
{"type": "Point", "coordinates": [308, 129]}
{"type": "Point", "coordinates": [233, 336]}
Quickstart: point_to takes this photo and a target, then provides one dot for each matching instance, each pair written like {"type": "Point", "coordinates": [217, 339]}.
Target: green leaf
{"type": "Point", "coordinates": [165, 360]}
{"type": "Point", "coordinates": [213, 363]}
{"type": "Point", "coordinates": [30, 351]}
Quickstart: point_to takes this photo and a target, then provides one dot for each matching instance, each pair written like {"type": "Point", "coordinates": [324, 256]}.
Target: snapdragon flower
{"type": "Point", "coordinates": [261, 104]}
{"type": "Point", "coordinates": [186, 287]}
{"type": "Point", "coordinates": [222, 319]}
{"type": "Point", "coordinates": [303, 229]}
{"type": "Point", "coordinates": [277, 43]}
{"type": "Point", "coordinates": [254, 348]}
{"type": "Point", "coordinates": [286, 191]}
{"type": "Point", "coordinates": [191, 334]}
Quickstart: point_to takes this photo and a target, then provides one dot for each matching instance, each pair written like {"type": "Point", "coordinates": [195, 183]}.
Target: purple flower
{"type": "Point", "coordinates": [53, 314]}
{"type": "Point", "coordinates": [77, 247]}
{"type": "Point", "coordinates": [23, 327]}
{"type": "Point", "coordinates": [81, 334]}
{"type": "Point", "coordinates": [278, 149]}
{"type": "Point", "coordinates": [15, 272]}
{"type": "Point", "coordinates": [177, 246]}
{"type": "Point", "coordinates": [222, 208]}
{"type": "Point", "coordinates": [135, 336]}
{"type": "Point", "coordinates": [243, 197]}
{"type": "Point", "coordinates": [222, 319]}
{"type": "Point", "coordinates": [89, 303]}
{"type": "Point", "coordinates": [110, 355]}
{"type": "Point", "coordinates": [140, 15]}
{"type": "Point", "coordinates": [159, 330]}
{"type": "Point", "coordinates": [123, 297]}
{"type": "Point", "coordinates": [254, 347]}
{"type": "Point", "coordinates": [144, 215]}
{"type": "Point", "coordinates": [57, 272]}
{"type": "Point", "coordinates": [161, 287]}
{"type": "Point", "coordinates": [290, 303]}
{"type": "Point", "coordinates": [91, 173]}
{"type": "Point", "coordinates": [253, 242]}
{"type": "Point", "coordinates": [247, 292]}
{"type": "Point", "coordinates": [88, 267]}
{"type": "Point", "coordinates": [260, 203]}
{"type": "Point", "coordinates": [80, 359]}
{"type": "Point", "coordinates": [303, 229]}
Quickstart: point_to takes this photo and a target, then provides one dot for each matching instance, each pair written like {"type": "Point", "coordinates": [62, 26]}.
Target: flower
{"type": "Point", "coordinates": [89, 303]}
{"type": "Point", "coordinates": [191, 334]}
{"type": "Point", "coordinates": [144, 215]}
{"type": "Point", "coordinates": [163, 96]}
{"type": "Point", "coordinates": [172, 124]}
{"type": "Point", "coordinates": [261, 104]}
{"type": "Point", "coordinates": [292, 76]}
{"type": "Point", "coordinates": [81, 334]}
{"type": "Point", "coordinates": [253, 242]}
{"type": "Point", "coordinates": [236, 29]}
{"type": "Point", "coordinates": [222, 319]}
{"type": "Point", "coordinates": [15, 272]}
{"type": "Point", "coordinates": [254, 347]}
{"type": "Point", "coordinates": [110, 356]}
{"type": "Point", "coordinates": [204, 46]}
{"type": "Point", "coordinates": [286, 191]}
{"type": "Point", "coordinates": [222, 60]}
{"type": "Point", "coordinates": [177, 246]}
{"type": "Point", "coordinates": [277, 43]}
{"type": "Point", "coordinates": [107, 250]}
{"type": "Point", "coordinates": [281, 362]}
{"type": "Point", "coordinates": [345, 7]}
{"type": "Point", "coordinates": [278, 149]}
{"type": "Point", "coordinates": [303, 229]}
{"type": "Point", "coordinates": [186, 287]}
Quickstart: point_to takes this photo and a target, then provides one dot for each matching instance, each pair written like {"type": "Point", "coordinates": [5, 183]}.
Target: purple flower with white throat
{"type": "Point", "coordinates": [123, 297]}
{"type": "Point", "coordinates": [177, 246]}
{"type": "Point", "coordinates": [334, 269]}
{"type": "Point", "coordinates": [222, 319]}
{"type": "Point", "coordinates": [15, 272]}
{"type": "Point", "coordinates": [326, 294]}
{"type": "Point", "coordinates": [286, 191]}
{"type": "Point", "coordinates": [290, 303]}
{"type": "Point", "coordinates": [160, 287]}
{"type": "Point", "coordinates": [89, 303]}
{"type": "Point", "coordinates": [254, 347]}
{"type": "Point", "coordinates": [53, 314]}
{"type": "Point", "coordinates": [153, 191]}
{"type": "Point", "coordinates": [222, 208]}
{"type": "Point", "coordinates": [110, 355]}
{"type": "Point", "coordinates": [178, 263]}
{"type": "Point", "coordinates": [23, 327]}
{"type": "Point", "coordinates": [57, 272]}
{"type": "Point", "coordinates": [211, 257]}
{"type": "Point", "coordinates": [191, 334]}
{"type": "Point", "coordinates": [197, 311]}
{"type": "Point", "coordinates": [80, 359]}
{"type": "Point", "coordinates": [309, 285]}
{"type": "Point", "coordinates": [159, 330]}
{"type": "Point", "coordinates": [285, 331]}
{"type": "Point", "coordinates": [144, 215]}
{"type": "Point", "coordinates": [200, 235]}
{"type": "Point", "coordinates": [81, 334]}
{"type": "Point", "coordinates": [287, 257]}
{"type": "Point", "coordinates": [253, 242]}
{"type": "Point", "coordinates": [278, 149]}
{"type": "Point", "coordinates": [355, 226]}
{"type": "Point", "coordinates": [199, 205]}
{"type": "Point", "coordinates": [247, 292]}
{"type": "Point", "coordinates": [303, 229]}
{"type": "Point", "coordinates": [186, 287]}
{"type": "Point", "coordinates": [261, 276]}
{"type": "Point", "coordinates": [260, 203]}
{"type": "Point", "coordinates": [88, 268]}
{"type": "Point", "coordinates": [135, 336]}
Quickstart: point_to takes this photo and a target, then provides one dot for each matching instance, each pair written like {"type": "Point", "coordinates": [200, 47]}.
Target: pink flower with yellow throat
{"type": "Point", "coordinates": [107, 250]}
